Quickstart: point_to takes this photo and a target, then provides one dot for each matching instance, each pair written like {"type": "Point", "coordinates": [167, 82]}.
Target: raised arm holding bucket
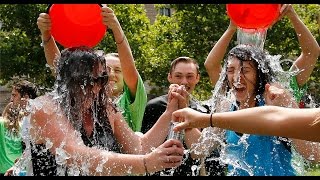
{"type": "Point", "coordinates": [308, 44]}
{"type": "Point", "coordinates": [253, 21]}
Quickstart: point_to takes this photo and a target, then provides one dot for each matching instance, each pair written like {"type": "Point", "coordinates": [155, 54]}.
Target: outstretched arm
{"type": "Point", "coordinates": [132, 143]}
{"type": "Point", "coordinates": [310, 49]}
{"type": "Point", "coordinates": [213, 61]}
{"type": "Point", "coordinates": [51, 50]}
{"type": "Point", "coordinates": [130, 73]}
{"type": "Point", "coordinates": [50, 125]}
{"type": "Point", "coordinates": [273, 120]}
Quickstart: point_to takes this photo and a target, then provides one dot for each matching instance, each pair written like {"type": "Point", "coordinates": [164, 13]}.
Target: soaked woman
{"type": "Point", "coordinates": [246, 73]}
{"type": "Point", "coordinates": [77, 130]}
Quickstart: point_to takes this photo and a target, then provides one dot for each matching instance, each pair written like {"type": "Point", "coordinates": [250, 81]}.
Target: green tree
{"type": "Point", "coordinates": [165, 46]}
{"type": "Point", "coordinates": [20, 52]}
{"type": "Point", "coordinates": [135, 24]}
{"type": "Point", "coordinates": [193, 30]}
{"type": "Point", "coordinates": [282, 40]}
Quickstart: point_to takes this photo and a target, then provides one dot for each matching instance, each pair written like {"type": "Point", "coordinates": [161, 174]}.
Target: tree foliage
{"type": "Point", "coordinates": [282, 39]}
{"type": "Point", "coordinates": [192, 31]}
{"type": "Point", "coordinates": [197, 27]}
{"type": "Point", "coordinates": [135, 24]}
{"type": "Point", "coordinates": [20, 51]}
{"type": "Point", "coordinates": [21, 54]}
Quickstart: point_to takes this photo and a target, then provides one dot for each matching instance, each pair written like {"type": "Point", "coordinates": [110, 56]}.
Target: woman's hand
{"type": "Point", "coordinates": [109, 18]}
{"type": "Point", "coordinates": [276, 95]}
{"type": "Point", "coordinates": [232, 25]}
{"type": "Point", "coordinates": [285, 10]}
{"type": "Point", "coordinates": [177, 97]}
{"type": "Point", "coordinates": [189, 118]}
{"type": "Point", "coordinates": [167, 155]}
{"type": "Point", "coordinates": [44, 24]}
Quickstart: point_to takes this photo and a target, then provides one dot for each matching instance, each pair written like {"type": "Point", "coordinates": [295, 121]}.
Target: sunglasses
{"type": "Point", "coordinates": [101, 80]}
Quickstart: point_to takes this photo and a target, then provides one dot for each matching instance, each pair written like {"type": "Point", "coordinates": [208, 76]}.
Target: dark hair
{"type": "Point", "coordinates": [75, 72]}
{"type": "Point", "coordinates": [259, 57]}
{"type": "Point", "coordinates": [25, 87]}
{"type": "Point", "coordinates": [265, 74]}
{"type": "Point", "coordinates": [184, 60]}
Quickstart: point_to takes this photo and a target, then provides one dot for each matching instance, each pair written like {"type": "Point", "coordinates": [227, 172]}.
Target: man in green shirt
{"type": "Point", "coordinates": [127, 90]}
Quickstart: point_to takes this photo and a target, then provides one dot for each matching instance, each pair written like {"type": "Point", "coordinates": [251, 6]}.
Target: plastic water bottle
{"type": "Point", "coordinates": [175, 135]}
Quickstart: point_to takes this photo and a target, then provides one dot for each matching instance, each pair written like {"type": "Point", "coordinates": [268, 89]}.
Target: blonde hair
{"type": "Point", "coordinates": [12, 118]}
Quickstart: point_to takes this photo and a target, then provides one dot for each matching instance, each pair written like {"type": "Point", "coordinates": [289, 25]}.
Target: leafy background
{"type": "Point", "coordinates": [191, 31]}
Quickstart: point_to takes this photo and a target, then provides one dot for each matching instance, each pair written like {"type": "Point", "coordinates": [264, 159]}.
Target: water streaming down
{"type": "Point", "coordinates": [223, 98]}
{"type": "Point", "coordinates": [255, 37]}
{"type": "Point", "coordinates": [24, 166]}
{"type": "Point", "coordinates": [74, 97]}
{"type": "Point", "coordinates": [220, 102]}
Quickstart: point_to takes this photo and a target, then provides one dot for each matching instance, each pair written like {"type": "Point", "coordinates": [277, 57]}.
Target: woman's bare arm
{"type": "Point", "coordinates": [51, 50]}
{"type": "Point", "coordinates": [217, 53]}
{"type": "Point", "coordinates": [267, 120]}
{"type": "Point", "coordinates": [49, 125]}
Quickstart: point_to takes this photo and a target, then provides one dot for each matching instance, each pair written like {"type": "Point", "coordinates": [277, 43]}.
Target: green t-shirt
{"type": "Point", "coordinates": [10, 147]}
{"type": "Point", "coordinates": [297, 91]}
{"type": "Point", "coordinates": [133, 109]}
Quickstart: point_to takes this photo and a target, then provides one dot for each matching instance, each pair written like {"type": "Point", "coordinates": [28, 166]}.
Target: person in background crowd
{"type": "Point", "coordinates": [11, 144]}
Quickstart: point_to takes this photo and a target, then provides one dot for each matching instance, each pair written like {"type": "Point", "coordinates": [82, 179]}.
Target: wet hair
{"type": "Point", "coordinates": [265, 74]}
{"type": "Point", "coordinates": [74, 84]}
{"type": "Point", "coordinates": [183, 60]}
{"type": "Point", "coordinates": [25, 87]}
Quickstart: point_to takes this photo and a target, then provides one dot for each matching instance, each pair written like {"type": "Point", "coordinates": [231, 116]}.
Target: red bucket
{"type": "Point", "coordinates": [76, 25]}
{"type": "Point", "coordinates": [253, 16]}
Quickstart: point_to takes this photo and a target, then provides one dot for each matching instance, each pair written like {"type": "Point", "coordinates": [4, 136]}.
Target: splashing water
{"type": "Point", "coordinates": [221, 101]}
{"type": "Point", "coordinates": [254, 37]}
{"type": "Point", "coordinates": [78, 164]}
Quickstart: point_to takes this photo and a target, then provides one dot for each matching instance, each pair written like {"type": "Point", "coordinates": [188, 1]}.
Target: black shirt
{"type": "Point", "coordinates": [44, 162]}
{"type": "Point", "coordinates": [154, 109]}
